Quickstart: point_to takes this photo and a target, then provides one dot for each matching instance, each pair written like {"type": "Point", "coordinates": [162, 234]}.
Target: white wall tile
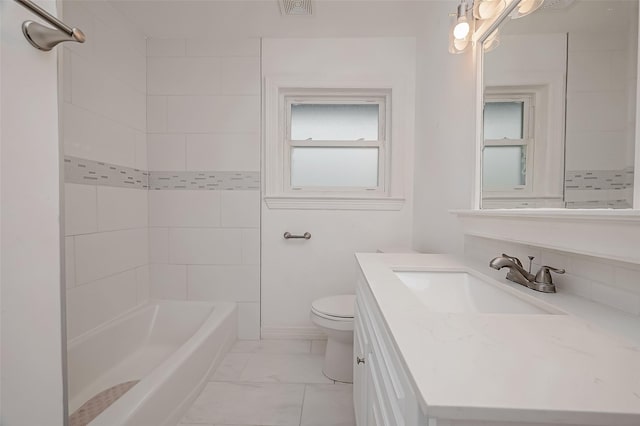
{"type": "Point", "coordinates": [227, 47]}
{"type": "Point", "coordinates": [234, 283]}
{"type": "Point", "coordinates": [92, 304]}
{"type": "Point", "coordinates": [205, 114]}
{"type": "Point", "coordinates": [159, 245]}
{"type": "Point", "coordinates": [251, 246]}
{"type": "Point", "coordinates": [80, 209]}
{"type": "Point", "coordinates": [77, 13]}
{"type": "Point", "coordinates": [240, 76]}
{"type": "Point", "coordinates": [106, 253]}
{"type": "Point", "coordinates": [627, 279]}
{"type": "Point", "coordinates": [69, 262]}
{"type": "Point", "coordinates": [248, 321]}
{"type": "Point", "coordinates": [166, 47]}
{"type": "Point", "coordinates": [223, 152]}
{"type": "Point", "coordinates": [112, 98]}
{"type": "Point", "coordinates": [156, 114]}
{"type": "Point", "coordinates": [241, 209]}
{"type": "Point", "coordinates": [116, 53]}
{"type": "Point", "coordinates": [574, 284]}
{"type": "Point", "coordinates": [186, 76]}
{"type": "Point", "coordinates": [589, 267]}
{"type": "Point", "coordinates": [617, 298]}
{"type": "Point", "coordinates": [168, 281]}
{"type": "Point", "coordinates": [94, 137]}
{"type": "Point", "coordinates": [66, 75]}
{"type": "Point", "coordinates": [184, 208]}
{"type": "Point", "coordinates": [166, 152]}
{"type": "Point", "coordinates": [143, 281]}
{"type": "Point", "coordinates": [140, 151]}
{"type": "Point", "coordinates": [197, 246]}
{"type": "Point", "coordinates": [121, 208]}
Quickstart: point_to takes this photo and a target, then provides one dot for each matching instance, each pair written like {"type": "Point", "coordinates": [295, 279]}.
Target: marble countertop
{"type": "Point", "coordinates": [582, 367]}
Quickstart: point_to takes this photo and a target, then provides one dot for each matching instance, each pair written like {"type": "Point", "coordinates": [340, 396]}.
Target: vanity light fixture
{"type": "Point", "coordinates": [464, 20]}
{"type": "Point", "coordinates": [461, 28]}
{"type": "Point", "coordinates": [487, 9]}
{"type": "Point", "coordinates": [526, 7]}
{"type": "Point", "coordinates": [492, 41]}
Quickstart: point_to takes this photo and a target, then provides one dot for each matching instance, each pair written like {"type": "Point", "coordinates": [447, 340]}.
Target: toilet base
{"type": "Point", "coordinates": [338, 359]}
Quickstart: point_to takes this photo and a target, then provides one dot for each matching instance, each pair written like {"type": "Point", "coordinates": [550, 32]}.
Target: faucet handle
{"type": "Point", "coordinates": [544, 276]}
{"type": "Point", "coordinates": [513, 259]}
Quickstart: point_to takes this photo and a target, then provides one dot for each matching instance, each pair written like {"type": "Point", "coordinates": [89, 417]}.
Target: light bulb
{"type": "Point", "coordinates": [461, 30]}
{"type": "Point", "coordinates": [526, 7]}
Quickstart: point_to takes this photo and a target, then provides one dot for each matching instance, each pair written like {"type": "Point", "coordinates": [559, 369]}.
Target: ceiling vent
{"type": "Point", "coordinates": [556, 4]}
{"type": "Point", "coordinates": [295, 7]}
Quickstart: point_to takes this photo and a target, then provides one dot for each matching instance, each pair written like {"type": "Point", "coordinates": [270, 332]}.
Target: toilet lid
{"type": "Point", "coordinates": [342, 306]}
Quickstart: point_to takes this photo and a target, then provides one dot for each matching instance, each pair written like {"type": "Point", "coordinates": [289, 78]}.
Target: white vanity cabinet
{"type": "Point", "coordinates": [382, 392]}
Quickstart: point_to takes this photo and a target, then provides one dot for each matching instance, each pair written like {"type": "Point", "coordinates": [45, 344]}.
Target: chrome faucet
{"type": "Point", "coordinates": [540, 282]}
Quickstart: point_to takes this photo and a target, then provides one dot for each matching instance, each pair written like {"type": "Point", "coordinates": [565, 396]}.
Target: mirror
{"type": "Point", "coordinates": [560, 107]}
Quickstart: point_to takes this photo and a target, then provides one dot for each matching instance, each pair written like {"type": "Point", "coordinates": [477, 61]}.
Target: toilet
{"type": "Point", "coordinates": [335, 316]}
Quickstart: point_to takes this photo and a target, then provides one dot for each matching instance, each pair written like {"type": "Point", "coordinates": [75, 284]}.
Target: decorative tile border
{"type": "Point", "coordinates": [604, 189]}
{"type": "Point", "coordinates": [89, 172]}
{"type": "Point", "coordinates": [599, 179]}
{"type": "Point", "coordinates": [238, 181]}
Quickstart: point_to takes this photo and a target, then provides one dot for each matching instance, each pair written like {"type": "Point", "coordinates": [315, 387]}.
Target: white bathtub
{"type": "Point", "coordinates": [170, 346]}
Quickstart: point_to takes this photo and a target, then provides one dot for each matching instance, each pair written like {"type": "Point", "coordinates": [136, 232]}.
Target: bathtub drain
{"type": "Point", "coordinates": [100, 402]}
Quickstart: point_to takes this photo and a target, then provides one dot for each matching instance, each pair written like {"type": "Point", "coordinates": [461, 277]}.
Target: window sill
{"type": "Point", "coordinates": [334, 203]}
{"type": "Point", "coordinates": [606, 233]}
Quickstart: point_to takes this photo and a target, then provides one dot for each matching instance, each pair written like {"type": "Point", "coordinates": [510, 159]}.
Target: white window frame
{"type": "Point", "coordinates": [364, 98]}
{"type": "Point", "coordinates": [527, 142]}
{"type": "Point", "coordinates": [398, 163]}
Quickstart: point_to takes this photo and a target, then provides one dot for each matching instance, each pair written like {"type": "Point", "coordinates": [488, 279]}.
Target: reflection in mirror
{"type": "Point", "coordinates": [560, 106]}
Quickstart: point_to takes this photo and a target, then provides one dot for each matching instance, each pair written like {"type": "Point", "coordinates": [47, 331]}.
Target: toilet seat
{"type": "Point", "coordinates": [335, 308]}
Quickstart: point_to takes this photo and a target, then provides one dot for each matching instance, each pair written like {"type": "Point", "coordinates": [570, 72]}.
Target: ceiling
{"type": "Point", "coordinates": [218, 18]}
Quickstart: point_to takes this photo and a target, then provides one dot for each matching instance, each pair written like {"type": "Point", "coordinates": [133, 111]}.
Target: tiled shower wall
{"type": "Point", "coordinates": [612, 283]}
{"type": "Point", "coordinates": [203, 125]}
{"type": "Point", "coordinates": [104, 119]}
{"type": "Point", "coordinates": [600, 131]}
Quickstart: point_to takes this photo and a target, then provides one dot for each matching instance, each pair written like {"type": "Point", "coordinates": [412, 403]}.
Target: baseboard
{"type": "Point", "coordinates": [292, 333]}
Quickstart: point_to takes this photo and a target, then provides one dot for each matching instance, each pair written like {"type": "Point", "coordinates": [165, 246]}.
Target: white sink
{"type": "Point", "coordinates": [460, 292]}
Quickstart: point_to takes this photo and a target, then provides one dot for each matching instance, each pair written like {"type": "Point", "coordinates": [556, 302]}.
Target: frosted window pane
{"type": "Point", "coordinates": [334, 167]}
{"type": "Point", "coordinates": [503, 120]}
{"type": "Point", "coordinates": [504, 166]}
{"type": "Point", "coordinates": [334, 122]}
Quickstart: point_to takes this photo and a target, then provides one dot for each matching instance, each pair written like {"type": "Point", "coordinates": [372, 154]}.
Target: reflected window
{"type": "Point", "coordinates": [508, 143]}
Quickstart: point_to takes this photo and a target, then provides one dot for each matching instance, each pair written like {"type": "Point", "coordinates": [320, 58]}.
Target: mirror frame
{"type": "Point", "coordinates": [479, 37]}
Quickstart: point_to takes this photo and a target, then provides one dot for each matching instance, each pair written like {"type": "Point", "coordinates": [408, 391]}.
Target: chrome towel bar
{"type": "Point", "coordinates": [289, 235]}
{"type": "Point", "coordinates": [45, 38]}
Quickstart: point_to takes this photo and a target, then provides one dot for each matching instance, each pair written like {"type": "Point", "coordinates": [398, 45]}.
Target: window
{"type": "Point", "coordinates": [507, 164]}
{"type": "Point", "coordinates": [335, 143]}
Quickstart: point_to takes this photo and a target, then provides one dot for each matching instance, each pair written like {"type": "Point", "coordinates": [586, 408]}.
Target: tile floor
{"type": "Point", "coordinates": [272, 383]}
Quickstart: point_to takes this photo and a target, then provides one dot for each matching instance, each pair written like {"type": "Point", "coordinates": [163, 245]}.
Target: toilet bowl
{"type": "Point", "coordinates": [335, 316]}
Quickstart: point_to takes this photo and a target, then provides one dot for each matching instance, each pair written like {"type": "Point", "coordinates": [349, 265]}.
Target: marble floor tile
{"type": "Point", "coordinates": [231, 367]}
{"type": "Point", "coordinates": [328, 405]}
{"type": "Point", "coordinates": [273, 346]}
{"type": "Point", "coordinates": [284, 368]}
{"type": "Point", "coordinates": [247, 404]}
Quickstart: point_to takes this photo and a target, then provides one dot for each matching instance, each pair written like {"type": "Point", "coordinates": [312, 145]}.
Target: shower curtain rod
{"type": "Point", "coordinates": [45, 38]}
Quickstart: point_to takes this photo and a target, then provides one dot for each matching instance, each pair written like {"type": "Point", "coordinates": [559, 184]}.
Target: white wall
{"type": "Point", "coordinates": [294, 273]}
{"type": "Point", "coordinates": [204, 116]}
{"type": "Point", "coordinates": [104, 119]}
{"type": "Point", "coordinates": [30, 229]}
{"type": "Point", "coordinates": [445, 135]}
